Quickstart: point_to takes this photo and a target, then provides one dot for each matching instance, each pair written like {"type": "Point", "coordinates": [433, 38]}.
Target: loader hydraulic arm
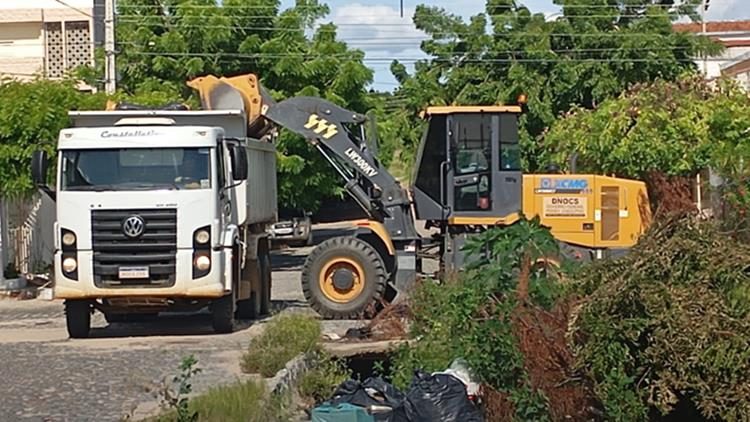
{"type": "Point", "coordinates": [338, 134]}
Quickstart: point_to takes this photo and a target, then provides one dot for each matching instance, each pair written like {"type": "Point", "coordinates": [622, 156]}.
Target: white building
{"type": "Point", "coordinates": [735, 61]}
{"type": "Point", "coordinates": [48, 37]}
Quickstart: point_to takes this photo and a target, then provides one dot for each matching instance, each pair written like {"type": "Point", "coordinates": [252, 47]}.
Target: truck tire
{"type": "Point", "coordinates": [343, 278]}
{"type": "Point", "coordinates": [223, 309]}
{"type": "Point", "coordinates": [248, 308]}
{"type": "Point", "coordinates": [222, 314]}
{"type": "Point", "coordinates": [265, 284]}
{"type": "Point", "coordinates": [78, 318]}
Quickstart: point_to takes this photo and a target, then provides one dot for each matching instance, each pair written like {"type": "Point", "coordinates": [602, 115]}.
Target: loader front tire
{"type": "Point", "coordinates": [344, 278]}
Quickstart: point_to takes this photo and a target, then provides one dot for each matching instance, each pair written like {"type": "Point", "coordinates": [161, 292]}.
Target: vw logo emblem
{"type": "Point", "coordinates": [133, 226]}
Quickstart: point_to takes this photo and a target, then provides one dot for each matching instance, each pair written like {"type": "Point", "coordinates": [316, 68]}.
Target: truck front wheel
{"type": "Point", "coordinates": [222, 314]}
{"type": "Point", "coordinates": [344, 277]}
{"type": "Point", "coordinates": [78, 318]}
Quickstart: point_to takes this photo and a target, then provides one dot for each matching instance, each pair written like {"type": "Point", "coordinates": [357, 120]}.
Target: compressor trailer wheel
{"type": "Point", "coordinates": [343, 277]}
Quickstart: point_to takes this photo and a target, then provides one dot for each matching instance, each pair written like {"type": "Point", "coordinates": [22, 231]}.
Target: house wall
{"type": "Point", "coordinates": [44, 37]}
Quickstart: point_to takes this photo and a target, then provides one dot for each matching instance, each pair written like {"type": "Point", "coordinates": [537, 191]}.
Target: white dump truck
{"type": "Point", "coordinates": [162, 210]}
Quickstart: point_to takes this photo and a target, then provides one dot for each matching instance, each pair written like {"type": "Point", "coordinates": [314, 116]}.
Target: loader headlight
{"type": "Point", "coordinates": [202, 237]}
{"type": "Point", "coordinates": [69, 265]}
{"type": "Point", "coordinates": [202, 263]}
{"type": "Point", "coordinates": [68, 238]}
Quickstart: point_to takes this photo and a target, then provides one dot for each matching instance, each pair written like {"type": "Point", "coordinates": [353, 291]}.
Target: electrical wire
{"type": "Point", "coordinates": [74, 8]}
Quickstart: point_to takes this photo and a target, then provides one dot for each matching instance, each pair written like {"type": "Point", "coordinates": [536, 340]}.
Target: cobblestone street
{"type": "Point", "coordinates": [47, 377]}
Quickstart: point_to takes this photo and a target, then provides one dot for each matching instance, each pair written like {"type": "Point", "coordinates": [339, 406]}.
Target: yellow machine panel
{"type": "Point", "coordinates": [587, 210]}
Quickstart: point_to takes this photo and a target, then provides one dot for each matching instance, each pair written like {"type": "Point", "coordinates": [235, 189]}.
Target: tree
{"type": "Point", "coordinates": [162, 44]}
{"type": "Point", "coordinates": [592, 52]}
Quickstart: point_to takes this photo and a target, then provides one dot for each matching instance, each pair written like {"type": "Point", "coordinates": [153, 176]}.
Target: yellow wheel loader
{"type": "Point", "coordinates": [467, 178]}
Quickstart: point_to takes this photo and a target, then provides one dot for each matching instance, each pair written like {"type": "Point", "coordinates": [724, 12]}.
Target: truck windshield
{"type": "Point", "coordinates": [136, 169]}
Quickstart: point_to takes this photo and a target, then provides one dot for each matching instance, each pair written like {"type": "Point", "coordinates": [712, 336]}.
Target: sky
{"type": "Point", "coordinates": [376, 26]}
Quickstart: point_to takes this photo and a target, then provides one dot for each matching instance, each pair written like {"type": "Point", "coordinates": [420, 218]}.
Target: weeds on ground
{"type": "Point", "coordinates": [286, 336]}
{"type": "Point", "coordinates": [666, 328]}
{"type": "Point", "coordinates": [177, 402]}
{"type": "Point", "coordinates": [249, 401]}
{"type": "Point", "coordinates": [489, 316]}
{"type": "Point", "coordinates": [319, 383]}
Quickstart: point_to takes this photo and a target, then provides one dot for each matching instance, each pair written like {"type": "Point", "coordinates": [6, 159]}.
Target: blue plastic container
{"type": "Point", "coordinates": [344, 412]}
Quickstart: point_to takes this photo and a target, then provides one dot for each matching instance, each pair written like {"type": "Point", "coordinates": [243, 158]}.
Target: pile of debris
{"type": "Point", "coordinates": [27, 287]}
{"type": "Point", "coordinates": [450, 395]}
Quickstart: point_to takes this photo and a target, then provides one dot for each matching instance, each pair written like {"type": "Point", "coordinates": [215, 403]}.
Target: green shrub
{"type": "Point", "coordinates": [286, 336]}
{"type": "Point", "coordinates": [320, 382]}
{"type": "Point", "coordinates": [669, 324]}
{"type": "Point", "coordinates": [470, 316]}
{"type": "Point", "coordinates": [245, 402]}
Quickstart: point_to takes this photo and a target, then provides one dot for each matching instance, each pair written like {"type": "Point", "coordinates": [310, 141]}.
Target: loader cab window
{"type": "Point", "coordinates": [510, 151]}
{"type": "Point", "coordinates": [471, 145]}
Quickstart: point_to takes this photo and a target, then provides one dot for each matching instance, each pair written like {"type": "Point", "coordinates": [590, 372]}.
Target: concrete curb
{"type": "Point", "coordinates": [286, 378]}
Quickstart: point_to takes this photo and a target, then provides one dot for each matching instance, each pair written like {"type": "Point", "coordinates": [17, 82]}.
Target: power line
{"type": "Point", "coordinates": [427, 36]}
{"type": "Point", "coordinates": [184, 16]}
{"type": "Point", "coordinates": [346, 54]}
{"type": "Point", "coordinates": [409, 59]}
{"type": "Point", "coordinates": [261, 7]}
{"type": "Point", "coordinates": [74, 8]}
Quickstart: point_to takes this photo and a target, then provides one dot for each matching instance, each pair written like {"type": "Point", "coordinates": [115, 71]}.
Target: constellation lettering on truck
{"type": "Point", "coordinates": [128, 133]}
{"type": "Point", "coordinates": [361, 162]}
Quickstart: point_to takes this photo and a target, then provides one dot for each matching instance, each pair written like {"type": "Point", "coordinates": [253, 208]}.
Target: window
{"type": "Point", "coordinates": [136, 169]}
{"type": "Point", "coordinates": [510, 151]}
{"type": "Point", "coordinates": [473, 145]}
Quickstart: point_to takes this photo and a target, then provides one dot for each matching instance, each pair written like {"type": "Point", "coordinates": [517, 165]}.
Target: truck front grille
{"type": "Point", "coordinates": [155, 248]}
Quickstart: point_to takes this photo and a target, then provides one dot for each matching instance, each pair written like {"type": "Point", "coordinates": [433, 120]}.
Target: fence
{"type": "Point", "coordinates": [31, 234]}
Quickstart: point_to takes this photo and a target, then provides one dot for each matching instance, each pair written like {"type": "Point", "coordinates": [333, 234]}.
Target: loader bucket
{"type": "Point", "coordinates": [236, 93]}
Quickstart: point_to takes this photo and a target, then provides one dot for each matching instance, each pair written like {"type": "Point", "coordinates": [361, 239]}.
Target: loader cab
{"type": "Point", "coordinates": [469, 166]}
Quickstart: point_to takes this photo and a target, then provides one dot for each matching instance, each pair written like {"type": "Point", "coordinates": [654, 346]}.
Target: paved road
{"type": "Point", "coordinates": [44, 376]}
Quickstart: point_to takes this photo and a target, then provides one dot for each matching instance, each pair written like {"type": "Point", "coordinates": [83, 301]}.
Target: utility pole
{"type": "Point", "coordinates": [110, 73]}
{"type": "Point", "coordinates": [704, 8]}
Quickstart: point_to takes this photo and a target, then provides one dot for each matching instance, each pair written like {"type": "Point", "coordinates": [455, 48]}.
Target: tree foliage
{"type": "Point", "coordinates": [475, 315]}
{"type": "Point", "coordinates": [667, 327]}
{"type": "Point", "coordinates": [162, 44]}
{"type": "Point", "coordinates": [592, 52]}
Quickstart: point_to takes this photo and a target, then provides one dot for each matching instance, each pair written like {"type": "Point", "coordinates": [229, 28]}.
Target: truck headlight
{"type": "Point", "coordinates": [69, 265]}
{"type": "Point", "coordinates": [68, 238]}
{"type": "Point", "coordinates": [202, 263]}
{"type": "Point", "coordinates": [202, 237]}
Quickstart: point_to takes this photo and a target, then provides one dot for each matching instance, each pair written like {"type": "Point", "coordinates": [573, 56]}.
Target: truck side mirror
{"type": "Point", "coordinates": [39, 167]}
{"type": "Point", "coordinates": [238, 156]}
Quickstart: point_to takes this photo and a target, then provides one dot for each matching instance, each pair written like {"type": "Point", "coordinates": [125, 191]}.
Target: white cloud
{"type": "Point", "coordinates": [728, 10]}
{"type": "Point", "coordinates": [383, 35]}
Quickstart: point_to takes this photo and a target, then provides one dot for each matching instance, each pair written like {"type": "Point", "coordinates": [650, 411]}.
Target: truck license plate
{"type": "Point", "coordinates": [133, 272]}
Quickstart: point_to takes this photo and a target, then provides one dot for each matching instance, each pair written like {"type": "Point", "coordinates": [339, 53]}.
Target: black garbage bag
{"type": "Point", "coordinates": [439, 397]}
{"type": "Point", "coordinates": [375, 395]}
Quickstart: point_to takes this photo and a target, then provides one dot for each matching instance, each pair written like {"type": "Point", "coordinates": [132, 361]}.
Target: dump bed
{"type": "Point", "coordinates": [260, 187]}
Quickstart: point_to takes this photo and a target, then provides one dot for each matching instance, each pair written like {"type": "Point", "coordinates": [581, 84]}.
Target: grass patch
{"type": "Point", "coordinates": [319, 383]}
{"type": "Point", "coordinates": [248, 401]}
{"type": "Point", "coordinates": [286, 336]}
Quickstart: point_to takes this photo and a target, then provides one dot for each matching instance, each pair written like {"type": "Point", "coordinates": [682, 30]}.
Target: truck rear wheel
{"type": "Point", "coordinates": [265, 284]}
{"type": "Point", "coordinates": [343, 277]}
{"type": "Point", "coordinates": [78, 318]}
